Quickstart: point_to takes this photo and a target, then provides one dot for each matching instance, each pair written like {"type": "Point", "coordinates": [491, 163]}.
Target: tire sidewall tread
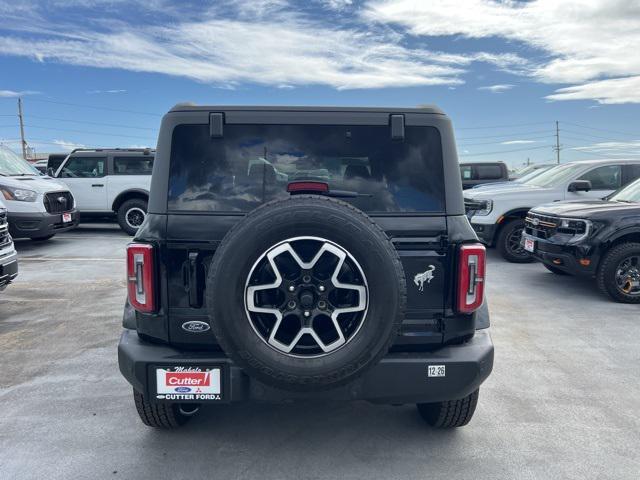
{"type": "Point", "coordinates": [605, 276]}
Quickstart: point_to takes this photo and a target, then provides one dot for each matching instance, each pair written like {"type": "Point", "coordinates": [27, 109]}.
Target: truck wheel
{"type": "Point", "coordinates": [508, 243]}
{"type": "Point", "coordinates": [555, 270]}
{"type": "Point", "coordinates": [619, 273]}
{"type": "Point", "coordinates": [450, 413]}
{"type": "Point", "coordinates": [163, 415]}
{"type": "Point", "coordinates": [306, 293]}
{"type": "Point", "coordinates": [131, 214]}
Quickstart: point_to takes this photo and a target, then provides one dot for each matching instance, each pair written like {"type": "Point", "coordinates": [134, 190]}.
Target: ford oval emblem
{"type": "Point", "coordinates": [196, 326]}
{"type": "Point", "coordinates": [183, 389]}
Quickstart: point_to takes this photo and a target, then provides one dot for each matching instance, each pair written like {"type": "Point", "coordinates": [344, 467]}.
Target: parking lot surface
{"type": "Point", "coordinates": [562, 402]}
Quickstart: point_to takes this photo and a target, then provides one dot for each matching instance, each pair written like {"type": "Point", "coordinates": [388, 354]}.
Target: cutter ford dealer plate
{"type": "Point", "coordinates": [188, 383]}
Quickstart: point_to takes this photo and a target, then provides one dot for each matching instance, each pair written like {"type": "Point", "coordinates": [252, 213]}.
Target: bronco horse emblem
{"type": "Point", "coordinates": [420, 278]}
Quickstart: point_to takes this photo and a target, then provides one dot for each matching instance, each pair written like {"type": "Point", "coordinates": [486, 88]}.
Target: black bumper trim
{"type": "Point", "coordinates": [486, 232]}
{"type": "Point", "coordinates": [8, 269]}
{"type": "Point", "coordinates": [398, 378]}
{"type": "Point", "coordinates": [566, 254]}
{"type": "Point", "coordinates": [40, 224]}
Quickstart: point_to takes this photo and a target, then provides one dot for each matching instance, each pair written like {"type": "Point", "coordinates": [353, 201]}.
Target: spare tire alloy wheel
{"type": "Point", "coordinates": [315, 312]}
{"type": "Point", "coordinates": [306, 293]}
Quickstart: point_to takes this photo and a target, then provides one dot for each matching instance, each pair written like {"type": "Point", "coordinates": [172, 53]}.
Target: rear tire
{"type": "Point", "coordinates": [162, 415]}
{"type": "Point", "coordinates": [608, 271]}
{"type": "Point", "coordinates": [555, 270]}
{"type": "Point", "coordinates": [508, 243]}
{"type": "Point", "coordinates": [131, 214]}
{"type": "Point", "coordinates": [450, 413]}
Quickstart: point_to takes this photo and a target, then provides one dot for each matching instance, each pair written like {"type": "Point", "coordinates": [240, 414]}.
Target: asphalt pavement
{"type": "Point", "coordinates": [562, 402]}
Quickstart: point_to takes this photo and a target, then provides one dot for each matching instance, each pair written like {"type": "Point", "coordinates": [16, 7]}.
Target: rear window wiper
{"type": "Point", "coordinates": [322, 188]}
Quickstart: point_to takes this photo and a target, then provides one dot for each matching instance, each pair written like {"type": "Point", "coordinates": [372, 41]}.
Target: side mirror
{"type": "Point", "coordinates": [50, 172]}
{"type": "Point", "coordinates": [580, 186]}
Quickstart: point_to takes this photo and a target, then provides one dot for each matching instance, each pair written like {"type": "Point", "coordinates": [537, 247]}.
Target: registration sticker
{"type": "Point", "coordinates": [188, 383]}
{"type": "Point", "coordinates": [529, 245]}
{"type": "Point", "coordinates": [66, 217]}
{"type": "Point", "coordinates": [436, 370]}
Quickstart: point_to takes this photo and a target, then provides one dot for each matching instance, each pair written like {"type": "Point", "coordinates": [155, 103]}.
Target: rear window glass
{"type": "Point", "coordinates": [253, 164]}
{"type": "Point", "coordinates": [133, 165]}
{"type": "Point", "coordinates": [488, 172]}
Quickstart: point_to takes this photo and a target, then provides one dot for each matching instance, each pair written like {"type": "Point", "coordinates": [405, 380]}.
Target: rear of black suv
{"type": "Point", "coordinates": [296, 253]}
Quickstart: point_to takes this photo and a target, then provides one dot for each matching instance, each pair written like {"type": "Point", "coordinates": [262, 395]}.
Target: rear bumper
{"type": "Point", "coordinates": [398, 378]}
{"type": "Point", "coordinates": [8, 269]}
{"type": "Point", "coordinates": [39, 224]}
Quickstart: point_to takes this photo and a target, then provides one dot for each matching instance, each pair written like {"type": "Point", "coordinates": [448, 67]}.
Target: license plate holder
{"type": "Point", "coordinates": [194, 383]}
{"type": "Point", "coordinates": [529, 245]}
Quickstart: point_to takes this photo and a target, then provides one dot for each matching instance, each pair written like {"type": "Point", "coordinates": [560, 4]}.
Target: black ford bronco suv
{"type": "Point", "coordinates": [305, 253]}
{"type": "Point", "coordinates": [593, 238]}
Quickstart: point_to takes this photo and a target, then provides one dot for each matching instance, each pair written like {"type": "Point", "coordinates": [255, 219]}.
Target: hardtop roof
{"type": "Point", "coordinates": [189, 107]}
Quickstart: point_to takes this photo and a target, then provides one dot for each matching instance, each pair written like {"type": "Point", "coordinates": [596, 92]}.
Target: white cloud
{"type": "Point", "coordinates": [14, 94]}
{"type": "Point", "coordinates": [503, 87]}
{"type": "Point", "coordinates": [612, 90]}
{"type": "Point", "coordinates": [262, 42]}
{"type": "Point", "coordinates": [337, 4]}
{"type": "Point", "coordinates": [66, 145]}
{"type": "Point", "coordinates": [584, 41]}
{"type": "Point", "coordinates": [517, 142]}
{"type": "Point", "coordinates": [629, 148]}
{"type": "Point", "coordinates": [93, 92]}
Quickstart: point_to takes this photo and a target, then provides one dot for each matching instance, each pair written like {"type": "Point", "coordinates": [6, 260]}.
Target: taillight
{"type": "Point", "coordinates": [308, 187]}
{"type": "Point", "coordinates": [140, 277]}
{"type": "Point", "coordinates": [471, 268]}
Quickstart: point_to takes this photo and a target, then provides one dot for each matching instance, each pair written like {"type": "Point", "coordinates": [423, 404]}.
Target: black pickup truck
{"type": "Point", "coordinates": [305, 253]}
{"type": "Point", "coordinates": [594, 238]}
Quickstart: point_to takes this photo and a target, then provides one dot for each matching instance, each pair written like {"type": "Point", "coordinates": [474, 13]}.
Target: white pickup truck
{"type": "Point", "coordinates": [110, 181]}
{"type": "Point", "coordinates": [497, 215]}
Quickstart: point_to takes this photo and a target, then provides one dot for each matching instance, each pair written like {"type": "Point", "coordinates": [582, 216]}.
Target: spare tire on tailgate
{"type": "Point", "coordinates": [306, 293]}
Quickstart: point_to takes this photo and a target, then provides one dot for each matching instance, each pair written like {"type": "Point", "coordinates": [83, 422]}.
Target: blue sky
{"type": "Point", "coordinates": [101, 73]}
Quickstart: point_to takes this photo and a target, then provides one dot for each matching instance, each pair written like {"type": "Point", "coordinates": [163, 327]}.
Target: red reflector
{"type": "Point", "coordinates": [307, 187]}
{"type": "Point", "coordinates": [140, 277]}
{"type": "Point", "coordinates": [471, 277]}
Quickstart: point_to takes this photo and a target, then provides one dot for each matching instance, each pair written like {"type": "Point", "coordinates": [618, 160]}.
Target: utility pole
{"type": "Point", "coordinates": [22, 140]}
{"type": "Point", "coordinates": [557, 147]}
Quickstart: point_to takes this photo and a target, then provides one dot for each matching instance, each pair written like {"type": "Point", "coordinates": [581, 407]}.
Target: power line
{"type": "Point", "coordinates": [95, 107]}
{"type": "Point", "coordinates": [87, 132]}
{"type": "Point", "coordinates": [601, 129]}
{"type": "Point", "coordinates": [591, 135]}
{"type": "Point", "coordinates": [94, 123]}
{"type": "Point", "coordinates": [503, 151]}
{"type": "Point", "coordinates": [501, 143]}
{"type": "Point", "coordinates": [505, 135]}
{"type": "Point", "coordinates": [46, 142]}
{"type": "Point", "coordinates": [502, 126]}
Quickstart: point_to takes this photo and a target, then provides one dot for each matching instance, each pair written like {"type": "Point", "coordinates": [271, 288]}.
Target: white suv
{"type": "Point", "coordinates": [110, 181]}
{"type": "Point", "coordinates": [497, 215]}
